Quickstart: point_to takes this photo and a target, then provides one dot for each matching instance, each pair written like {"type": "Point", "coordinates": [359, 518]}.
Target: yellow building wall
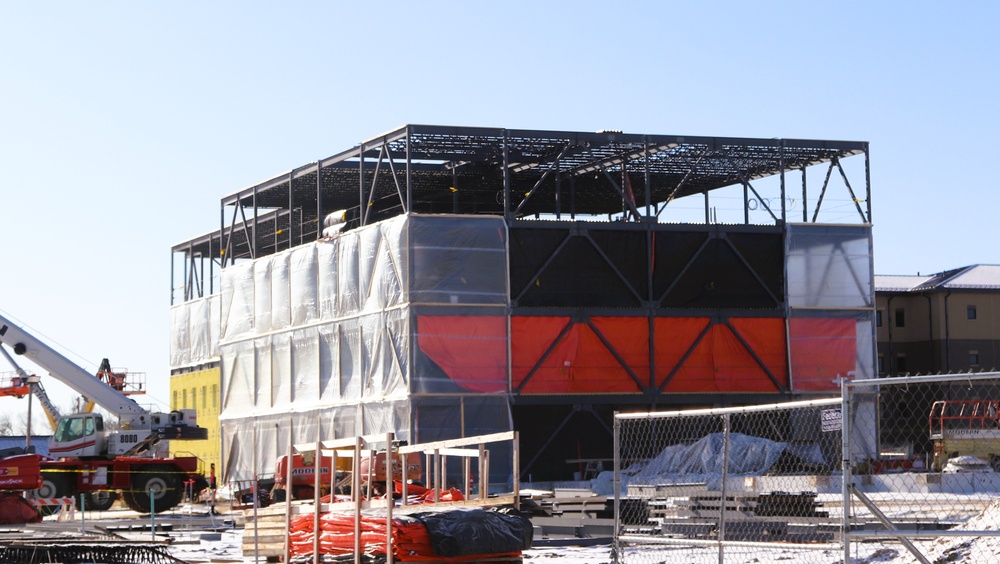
{"type": "Point", "coordinates": [199, 390]}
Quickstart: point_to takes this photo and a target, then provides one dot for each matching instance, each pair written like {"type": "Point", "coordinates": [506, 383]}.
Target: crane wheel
{"type": "Point", "coordinates": [162, 483]}
{"type": "Point", "coordinates": [99, 500]}
{"type": "Point", "coordinates": [53, 485]}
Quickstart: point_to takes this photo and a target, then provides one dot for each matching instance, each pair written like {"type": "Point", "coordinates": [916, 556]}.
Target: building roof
{"type": "Point", "coordinates": [975, 277]}
{"type": "Point", "coordinates": [898, 283]}
{"type": "Point", "coordinates": [516, 173]}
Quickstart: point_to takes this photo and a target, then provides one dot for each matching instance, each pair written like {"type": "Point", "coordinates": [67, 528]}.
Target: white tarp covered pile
{"type": "Point", "coordinates": [702, 461]}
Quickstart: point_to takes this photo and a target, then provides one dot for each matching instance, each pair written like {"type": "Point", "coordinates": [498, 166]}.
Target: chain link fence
{"type": "Point", "coordinates": [917, 480]}
{"type": "Point", "coordinates": [724, 484]}
{"type": "Point", "coordinates": [924, 468]}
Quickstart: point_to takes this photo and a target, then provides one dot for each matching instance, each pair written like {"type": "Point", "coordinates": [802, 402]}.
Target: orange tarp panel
{"type": "Point", "coordinates": [530, 337]}
{"type": "Point", "coordinates": [580, 363]}
{"type": "Point", "coordinates": [720, 362]}
{"type": "Point", "coordinates": [673, 336]}
{"type": "Point", "coordinates": [472, 350]}
{"type": "Point", "coordinates": [766, 338]}
{"type": "Point", "coordinates": [822, 350]}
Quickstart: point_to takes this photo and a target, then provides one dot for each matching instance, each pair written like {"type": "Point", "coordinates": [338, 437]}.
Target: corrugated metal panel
{"type": "Point", "coordinates": [980, 276]}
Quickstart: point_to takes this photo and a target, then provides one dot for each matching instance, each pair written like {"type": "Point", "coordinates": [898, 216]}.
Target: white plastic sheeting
{"type": "Point", "coordinates": [702, 462]}
{"type": "Point", "coordinates": [328, 332]}
{"type": "Point", "coordinates": [264, 438]}
{"type": "Point", "coordinates": [194, 332]}
{"type": "Point", "coordinates": [748, 456]}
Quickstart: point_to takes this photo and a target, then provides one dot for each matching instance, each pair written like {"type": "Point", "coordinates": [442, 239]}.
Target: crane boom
{"type": "Point", "coordinates": [67, 372]}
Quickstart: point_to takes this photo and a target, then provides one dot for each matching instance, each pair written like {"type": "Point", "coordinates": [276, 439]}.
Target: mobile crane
{"type": "Point", "coordinates": [88, 457]}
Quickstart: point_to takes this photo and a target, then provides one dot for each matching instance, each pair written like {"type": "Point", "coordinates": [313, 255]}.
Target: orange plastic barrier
{"type": "Point", "coordinates": [410, 540]}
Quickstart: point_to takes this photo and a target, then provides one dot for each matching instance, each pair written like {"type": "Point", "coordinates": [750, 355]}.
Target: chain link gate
{"type": "Point", "coordinates": [924, 468]}
{"type": "Point", "coordinates": [744, 484]}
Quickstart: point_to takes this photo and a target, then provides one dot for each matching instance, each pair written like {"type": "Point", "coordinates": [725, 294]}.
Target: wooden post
{"type": "Point", "coordinates": [517, 471]}
{"type": "Point", "coordinates": [288, 490]}
{"type": "Point", "coordinates": [483, 480]}
{"type": "Point", "coordinates": [437, 476]}
{"type": "Point", "coordinates": [444, 471]}
{"type": "Point", "coordinates": [389, 496]}
{"type": "Point", "coordinates": [318, 469]}
{"type": "Point", "coordinates": [253, 492]}
{"type": "Point", "coordinates": [466, 464]}
{"type": "Point", "coordinates": [356, 495]}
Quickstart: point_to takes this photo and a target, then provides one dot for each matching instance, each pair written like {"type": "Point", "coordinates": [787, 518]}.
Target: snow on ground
{"type": "Point", "coordinates": [202, 547]}
{"type": "Point", "coordinates": [942, 549]}
{"type": "Point", "coordinates": [229, 549]}
{"type": "Point", "coordinates": [963, 550]}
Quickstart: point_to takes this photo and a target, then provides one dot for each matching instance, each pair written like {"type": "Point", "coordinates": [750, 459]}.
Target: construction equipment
{"type": "Point", "coordinates": [965, 428]}
{"type": "Point", "coordinates": [304, 472]}
{"type": "Point", "coordinates": [24, 384]}
{"type": "Point", "coordinates": [89, 456]}
{"type": "Point", "coordinates": [304, 475]}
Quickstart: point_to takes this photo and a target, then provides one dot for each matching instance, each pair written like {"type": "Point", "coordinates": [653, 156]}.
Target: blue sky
{"type": "Point", "coordinates": [122, 124]}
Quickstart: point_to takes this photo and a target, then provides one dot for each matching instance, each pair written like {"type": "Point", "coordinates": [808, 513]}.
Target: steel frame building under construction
{"type": "Point", "coordinates": [478, 280]}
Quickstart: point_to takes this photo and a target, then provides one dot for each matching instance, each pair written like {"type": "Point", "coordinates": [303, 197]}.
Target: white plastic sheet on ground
{"type": "Point", "coordinates": [702, 461]}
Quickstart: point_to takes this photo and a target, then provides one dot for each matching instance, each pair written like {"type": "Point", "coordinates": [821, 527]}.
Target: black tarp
{"type": "Point", "coordinates": [475, 531]}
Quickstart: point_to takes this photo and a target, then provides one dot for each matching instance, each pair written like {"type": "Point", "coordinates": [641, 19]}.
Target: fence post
{"type": "Point", "coordinates": [616, 484]}
{"type": "Point", "coordinates": [845, 441]}
{"type": "Point", "coordinates": [723, 488]}
{"type": "Point", "coordinates": [289, 490]}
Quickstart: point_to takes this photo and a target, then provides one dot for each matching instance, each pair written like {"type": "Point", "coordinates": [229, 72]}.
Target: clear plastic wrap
{"type": "Point", "coordinates": [829, 265]}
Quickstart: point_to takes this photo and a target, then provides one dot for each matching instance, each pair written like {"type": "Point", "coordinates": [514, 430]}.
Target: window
{"type": "Point", "coordinates": [174, 405]}
{"type": "Point", "coordinates": [204, 398]}
{"type": "Point", "coordinates": [901, 364]}
{"type": "Point", "coordinates": [900, 317]}
{"type": "Point", "coordinates": [970, 312]}
{"type": "Point", "coordinates": [215, 395]}
{"type": "Point", "coordinates": [184, 399]}
{"type": "Point", "coordinates": [878, 318]}
{"type": "Point", "coordinates": [973, 358]}
{"type": "Point", "coordinates": [881, 364]}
